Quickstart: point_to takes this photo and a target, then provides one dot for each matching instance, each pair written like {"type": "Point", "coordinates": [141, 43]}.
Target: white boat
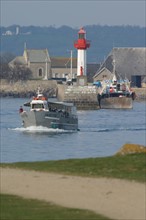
{"type": "Point", "coordinates": [49, 114]}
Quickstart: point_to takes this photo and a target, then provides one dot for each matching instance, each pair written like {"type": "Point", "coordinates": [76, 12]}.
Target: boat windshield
{"type": "Point", "coordinates": [37, 105]}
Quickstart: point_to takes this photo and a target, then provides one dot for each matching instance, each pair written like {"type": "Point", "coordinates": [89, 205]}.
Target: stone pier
{"type": "Point", "coordinates": [83, 97]}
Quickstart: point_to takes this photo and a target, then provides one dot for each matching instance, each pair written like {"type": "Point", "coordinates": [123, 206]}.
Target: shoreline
{"type": "Point", "coordinates": [27, 89]}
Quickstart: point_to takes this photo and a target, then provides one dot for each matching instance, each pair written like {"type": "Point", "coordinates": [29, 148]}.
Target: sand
{"type": "Point", "coordinates": [114, 198]}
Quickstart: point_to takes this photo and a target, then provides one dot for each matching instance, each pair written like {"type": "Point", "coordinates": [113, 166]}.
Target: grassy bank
{"type": "Point", "coordinates": [130, 167]}
{"type": "Point", "coordinates": [14, 207]}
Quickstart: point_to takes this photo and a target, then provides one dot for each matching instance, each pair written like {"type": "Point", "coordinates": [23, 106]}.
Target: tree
{"type": "Point", "coordinates": [5, 71]}
{"type": "Point", "coordinates": [13, 74]}
{"type": "Point", "coordinates": [21, 73]}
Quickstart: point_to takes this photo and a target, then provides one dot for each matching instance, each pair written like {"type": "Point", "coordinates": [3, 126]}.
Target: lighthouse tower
{"type": "Point", "coordinates": [81, 44]}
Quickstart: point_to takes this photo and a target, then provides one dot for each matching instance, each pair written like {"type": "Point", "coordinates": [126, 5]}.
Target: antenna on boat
{"type": "Point", "coordinates": [71, 64]}
{"type": "Point", "coordinates": [38, 91]}
{"type": "Point", "coordinates": [114, 68]}
{"type": "Point", "coordinates": [24, 45]}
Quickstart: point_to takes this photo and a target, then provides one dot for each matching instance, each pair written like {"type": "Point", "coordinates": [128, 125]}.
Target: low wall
{"type": "Point", "coordinates": [28, 88]}
{"type": "Point", "coordinates": [140, 93]}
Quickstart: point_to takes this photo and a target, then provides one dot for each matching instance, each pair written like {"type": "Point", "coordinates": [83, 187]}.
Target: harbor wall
{"type": "Point", "coordinates": [83, 97]}
{"type": "Point", "coordinates": [140, 93]}
{"type": "Point", "coordinates": [61, 91]}
{"type": "Point", "coordinates": [27, 88]}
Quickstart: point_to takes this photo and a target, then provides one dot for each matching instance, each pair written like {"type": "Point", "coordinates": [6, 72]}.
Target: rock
{"type": "Point", "coordinates": [131, 149]}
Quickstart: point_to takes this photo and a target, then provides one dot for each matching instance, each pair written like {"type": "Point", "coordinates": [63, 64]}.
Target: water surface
{"type": "Point", "coordinates": [102, 133]}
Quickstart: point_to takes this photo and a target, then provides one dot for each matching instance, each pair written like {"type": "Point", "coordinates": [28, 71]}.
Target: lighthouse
{"type": "Point", "coordinates": [81, 45]}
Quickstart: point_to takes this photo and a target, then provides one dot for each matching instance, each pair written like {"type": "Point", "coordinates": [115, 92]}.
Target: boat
{"type": "Point", "coordinates": [115, 94]}
{"type": "Point", "coordinates": [50, 114]}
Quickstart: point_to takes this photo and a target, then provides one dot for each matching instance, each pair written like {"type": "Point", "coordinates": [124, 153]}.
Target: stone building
{"type": "Point", "coordinates": [43, 66]}
{"type": "Point", "coordinates": [38, 61]}
{"type": "Point", "coordinates": [130, 63]}
{"type": "Point", "coordinates": [63, 68]}
{"type": "Point", "coordinates": [103, 74]}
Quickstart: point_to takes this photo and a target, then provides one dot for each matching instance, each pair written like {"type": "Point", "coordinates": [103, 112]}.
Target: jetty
{"type": "Point", "coordinates": [83, 97]}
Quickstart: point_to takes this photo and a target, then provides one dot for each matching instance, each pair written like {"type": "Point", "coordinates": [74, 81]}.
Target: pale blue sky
{"type": "Point", "coordinates": [73, 13]}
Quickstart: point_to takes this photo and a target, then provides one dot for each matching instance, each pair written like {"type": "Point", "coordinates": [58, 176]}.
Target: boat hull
{"type": "Point", "coordinates": [116, 103]}
{"type": "Point", "coordinates": [49, 120]}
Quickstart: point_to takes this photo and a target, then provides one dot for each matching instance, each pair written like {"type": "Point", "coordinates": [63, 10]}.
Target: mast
{"type": "Point", "coordinates": [71, 76]}
{"type": "Point", "coordinates": [25, 46]}
{"type": "Point", "coordinates": [114, 69]}
{"type": "Point", "coordinates": [46, 70]}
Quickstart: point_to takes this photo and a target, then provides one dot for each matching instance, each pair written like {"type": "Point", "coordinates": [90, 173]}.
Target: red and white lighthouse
{"type": "Point", "coordinates": [81, 44]}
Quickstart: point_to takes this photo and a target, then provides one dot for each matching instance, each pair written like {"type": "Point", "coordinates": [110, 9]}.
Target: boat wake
{"type": "Point", "coordinates": [44, 130]}
{"type": "Point", "coordinates": [111, 129]}
{"type": "Point", "coordinates": [41, 129]}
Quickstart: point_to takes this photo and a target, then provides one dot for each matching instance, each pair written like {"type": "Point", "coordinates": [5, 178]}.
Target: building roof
{"type": "Point", "coordinates": [63, 62]}
{"type": "Point", "coordinates": [20, 60]}
{"type": "Point", "coordinates": [37, 56]}
{"type": "Point", "coordinates": [91, 70]}
{"type": "Point", "coordinates": [82, 31]}
{"type": "Point", "coordinates": [128, 61]}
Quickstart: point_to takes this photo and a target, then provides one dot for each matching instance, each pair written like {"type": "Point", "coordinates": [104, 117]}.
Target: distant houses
{"type": "Point", "coordinates": [130, 63]}
{"type": "Point", "coordinates": [43, 66]}
{"type": "Point", "coordinates": [16, 32]}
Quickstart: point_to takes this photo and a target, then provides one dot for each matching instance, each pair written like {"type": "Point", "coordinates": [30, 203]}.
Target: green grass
{"type": "Point", "coordinates": [17, 208]}
{"type": "Point", "coordinates": [130, 167]}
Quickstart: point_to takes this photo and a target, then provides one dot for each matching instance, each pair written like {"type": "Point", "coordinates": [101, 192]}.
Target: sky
{"type": "Point", "coordinates": [76, 13]}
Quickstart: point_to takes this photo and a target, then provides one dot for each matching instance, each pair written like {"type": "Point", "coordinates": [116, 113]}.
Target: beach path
{"type": "Point", "coordinates": [114, 198]}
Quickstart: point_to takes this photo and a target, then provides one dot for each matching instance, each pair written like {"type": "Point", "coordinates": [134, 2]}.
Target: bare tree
{"type": "Point", "coordinates": [13, 74]}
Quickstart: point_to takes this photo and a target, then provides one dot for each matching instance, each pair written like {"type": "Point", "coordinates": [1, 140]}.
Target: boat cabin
{"type": "Point", "coordinates": [39, 105]}
{"type": "Point", "coordinates": [66, 108]}
{"type": "Point", "coordinates": [53, 107]}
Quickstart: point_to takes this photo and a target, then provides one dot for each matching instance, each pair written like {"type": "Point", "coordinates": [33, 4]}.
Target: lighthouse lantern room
{"type": "Point", "coordinates": [81, 44]}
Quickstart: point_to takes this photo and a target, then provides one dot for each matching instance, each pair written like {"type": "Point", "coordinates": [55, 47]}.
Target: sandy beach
{"type": "Point", "coordinates": [114, 198]}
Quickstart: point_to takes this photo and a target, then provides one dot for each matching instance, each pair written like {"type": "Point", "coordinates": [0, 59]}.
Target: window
{"type": "Point", "coordinates": [37, 105]}
{"type": "Point", "coordinates": [56, 75]}
{"type": "Point", "coordinates": [40, 72]}
{"type": "Point", "coordinates": [81, 36]}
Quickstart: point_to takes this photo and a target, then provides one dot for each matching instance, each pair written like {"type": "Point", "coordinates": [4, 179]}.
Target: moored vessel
{"type": "Point", "coordinates": [115, 92]}
{"type": "Point", "coordinates": [116, 95]}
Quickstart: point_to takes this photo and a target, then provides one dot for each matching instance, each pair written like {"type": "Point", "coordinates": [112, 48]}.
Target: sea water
{"type": "Point", "coordinates": [102, 133]}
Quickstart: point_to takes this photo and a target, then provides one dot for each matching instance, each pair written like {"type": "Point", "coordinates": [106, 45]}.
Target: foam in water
{"type": "Point", "coordinates": [40, 129]}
